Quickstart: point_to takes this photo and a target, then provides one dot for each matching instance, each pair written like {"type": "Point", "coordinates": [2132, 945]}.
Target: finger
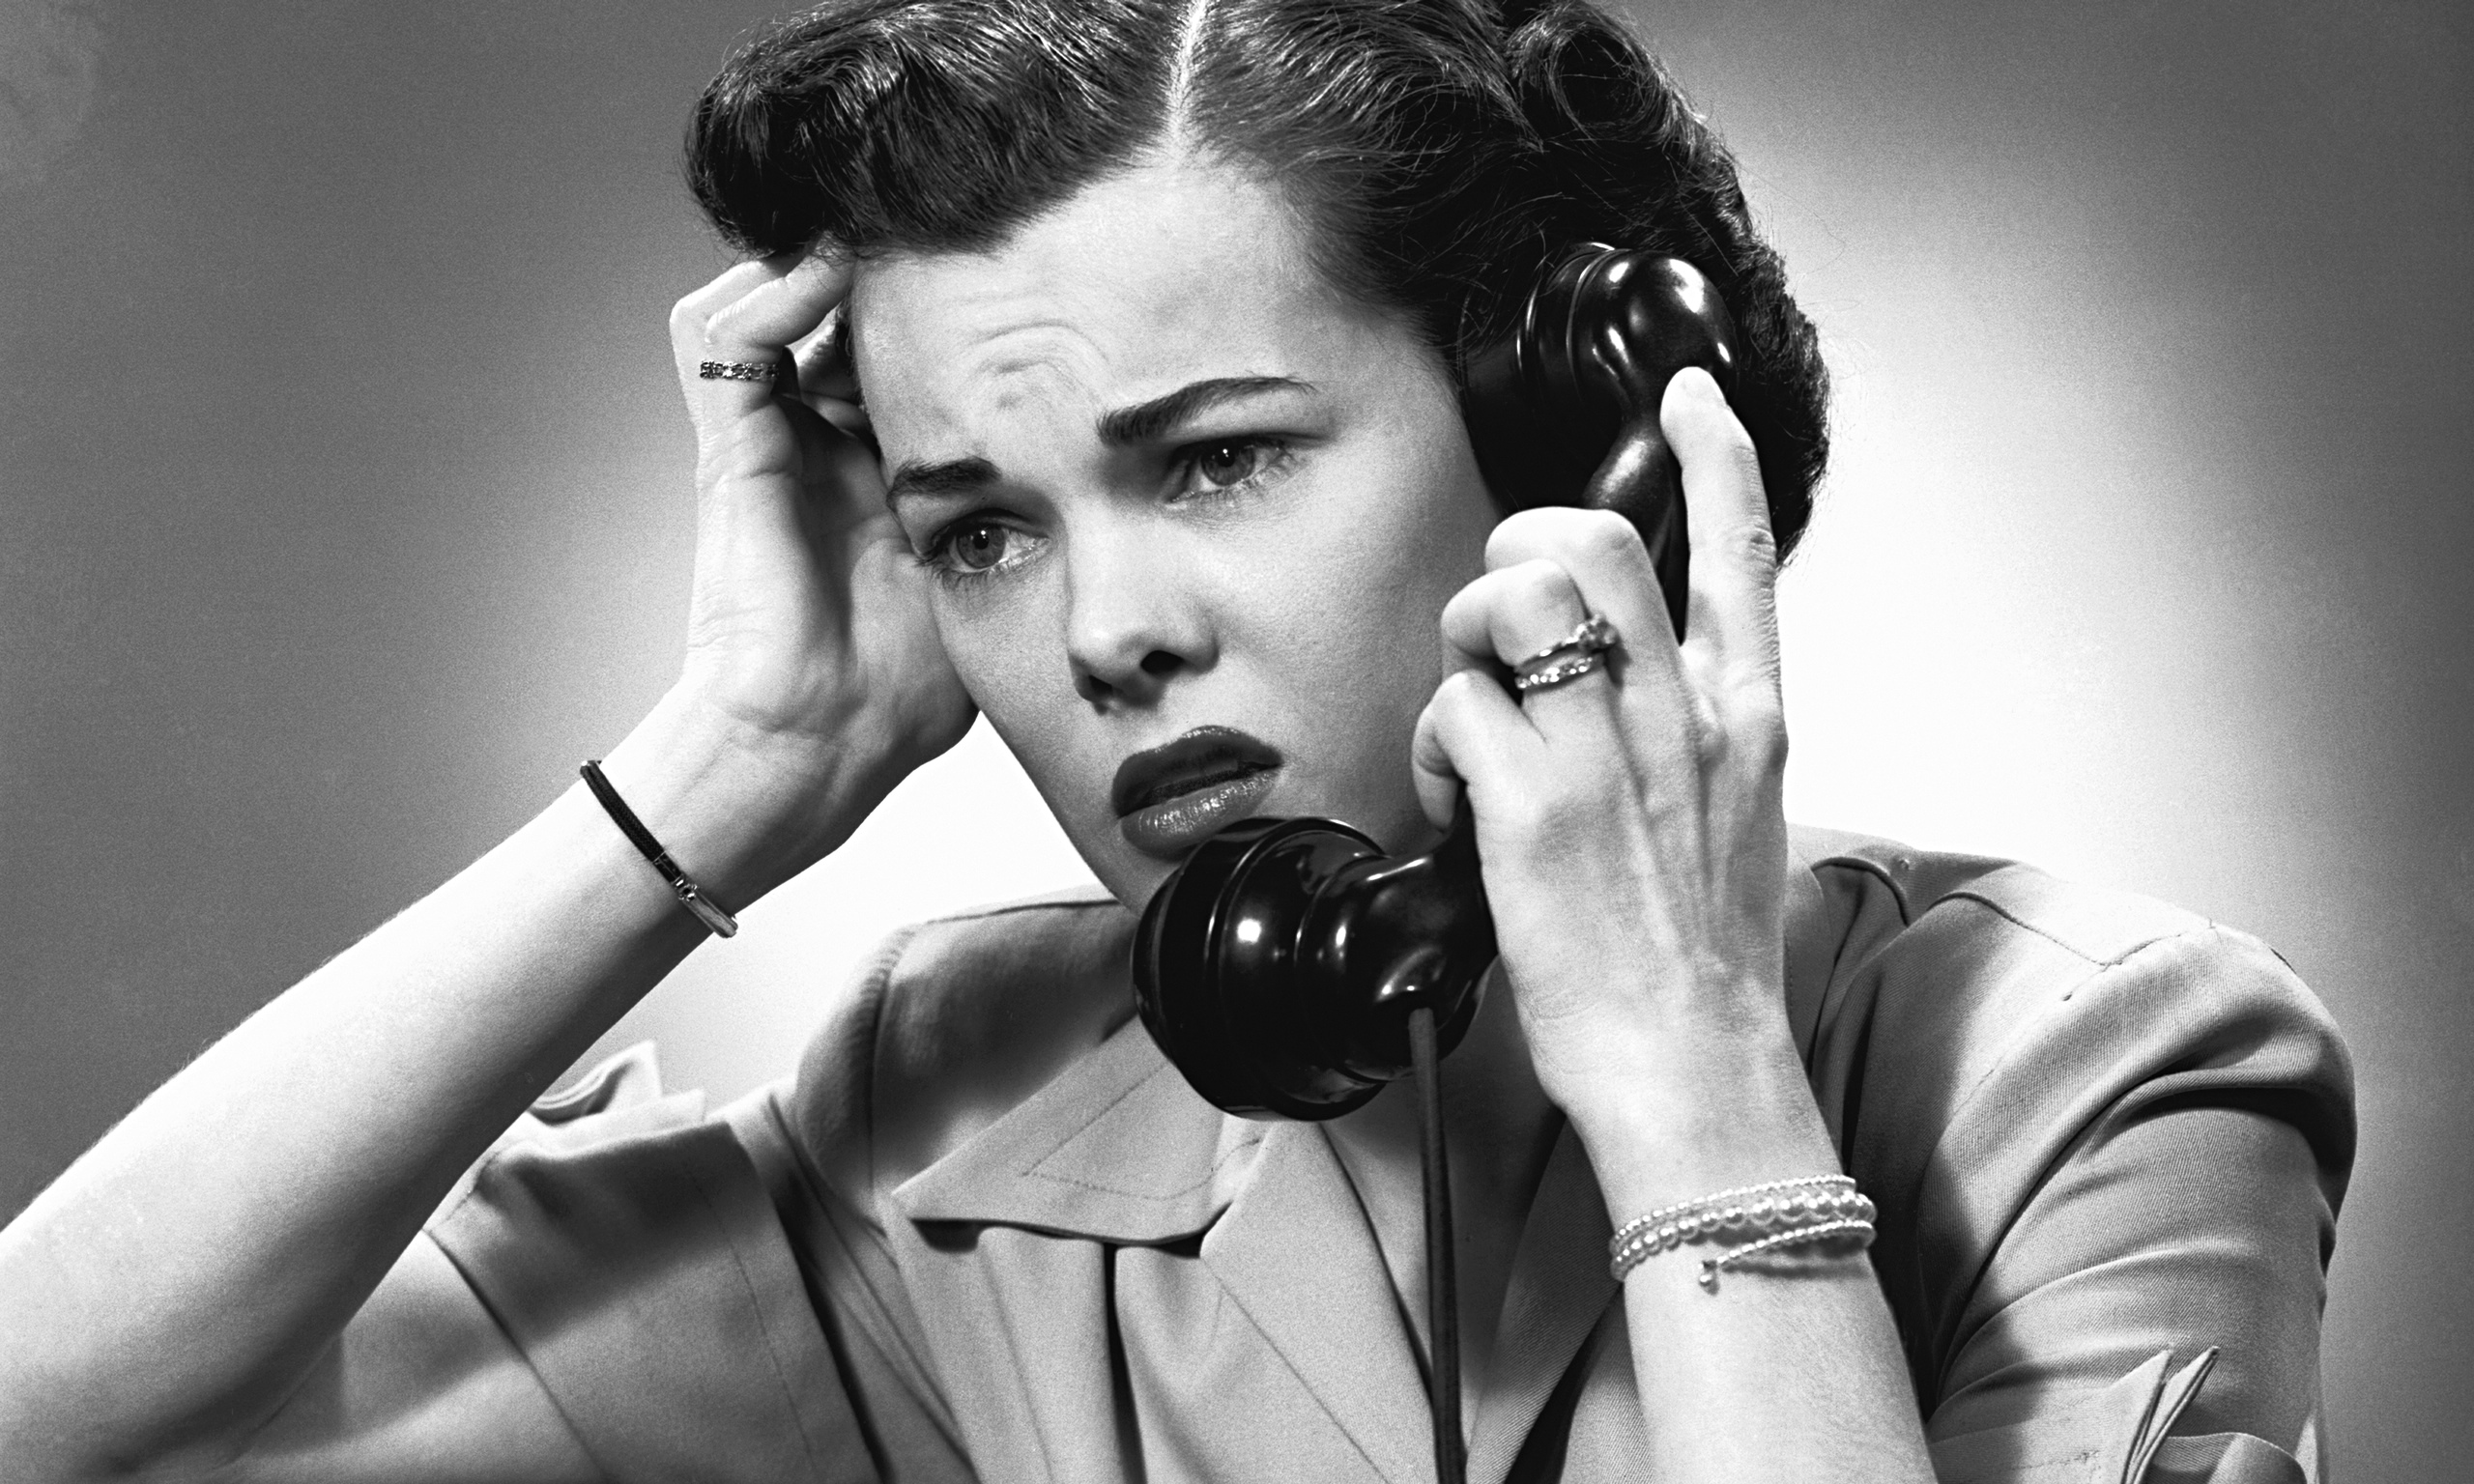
{"type": "Point", "coordinates": [1609, 567]}
{"type": "Point", "coordinates": [827, 377]}
{"type": "Point", "coordinates": [690, 315]}
{"type": "Point", "coordinates": [1528, 620]}
{"type": "Point", "coordinates": [824, 358]}
{"type": "Point", "coordinates": [778, 301]}
{"type": "Point", "coordinates": [1469, 735]}
{"type": "Point", "coordinates": [1735, 559]}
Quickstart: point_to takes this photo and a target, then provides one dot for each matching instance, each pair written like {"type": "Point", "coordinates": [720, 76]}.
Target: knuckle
{"type": "Point", "coordinates": [1537, 583]}
{"type": "Point", "coordinates": [1451, 698]}
{"type": "Point", "coordinates": [1509, 542]}
{"type": "Point", "coordinates": [687, 316]}
{"type": "Point", "coordinates": [1526, 534]}
{"type": "Point", "coordinates": [1747, 544]}
{"type": "Point", "coordinates": [1561, 813]}
{"type": "Point", "coordinates": [1765, 744]}
{"type": "Point", "coordinates": [1606, 536]}
{"type": "Point", "coordinates": [1458, 704]}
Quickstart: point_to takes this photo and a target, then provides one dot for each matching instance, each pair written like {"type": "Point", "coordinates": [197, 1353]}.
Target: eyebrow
{"type": "Point", "coordinates": [950, 476]}
{"type": "Point", "coordinates": [1146, 420]}
{"type": "Point", "coordinates": [1139, 423]}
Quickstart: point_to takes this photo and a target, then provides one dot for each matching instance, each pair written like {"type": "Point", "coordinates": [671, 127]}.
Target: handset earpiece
{"type": "Point", "coordinates": [1277, 966]}
{"type": "Point", "coordinates": [1566, 412]}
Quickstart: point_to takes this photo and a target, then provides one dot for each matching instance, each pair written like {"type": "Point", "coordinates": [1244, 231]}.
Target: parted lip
{"type": "Point", "coordinates": [1203, 756]}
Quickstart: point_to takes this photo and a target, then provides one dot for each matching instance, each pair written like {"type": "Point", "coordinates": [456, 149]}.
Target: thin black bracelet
{"type": "Point", "coordinates": [690, 896]}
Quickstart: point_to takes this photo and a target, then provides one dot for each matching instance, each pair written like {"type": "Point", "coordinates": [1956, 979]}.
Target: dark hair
{"type": "Point", "coordinates": [1441, 152]}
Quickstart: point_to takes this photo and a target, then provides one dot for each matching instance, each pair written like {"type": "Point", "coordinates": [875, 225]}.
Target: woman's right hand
{"type": "Point", "coordinates": [810, 646]}
{"type": "Point", "coordinates": [173, 1295]}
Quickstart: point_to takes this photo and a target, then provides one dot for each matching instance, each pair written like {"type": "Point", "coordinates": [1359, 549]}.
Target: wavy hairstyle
{"type": "Point", "coordinates": [1440, 152]}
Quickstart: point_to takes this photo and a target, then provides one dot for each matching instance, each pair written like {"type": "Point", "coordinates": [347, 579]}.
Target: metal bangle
{"type": "Point", "coordinates": [704, 909]}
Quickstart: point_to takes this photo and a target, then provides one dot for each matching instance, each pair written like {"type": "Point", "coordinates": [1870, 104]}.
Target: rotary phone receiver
{"type": "Point", "coordinates": [1279, 965]}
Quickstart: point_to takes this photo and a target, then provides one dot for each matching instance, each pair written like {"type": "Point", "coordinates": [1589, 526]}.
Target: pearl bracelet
{"type": "Point", "coordinates": [1813, 1207]}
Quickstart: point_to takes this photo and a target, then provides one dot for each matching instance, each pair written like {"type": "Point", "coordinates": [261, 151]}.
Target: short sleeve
{"type": "Point", "coordinates": [634, 1258]}
{"type": "Point", "coordinates": [2166, 1282]}
{"type": "Point", "coordinates": [2132, 1212]}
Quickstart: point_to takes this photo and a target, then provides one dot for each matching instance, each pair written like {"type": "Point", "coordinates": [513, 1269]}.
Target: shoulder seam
{"type": "Point", "coordinates": [2197, 928]}
{"type": "Point", "coordinates": [1908, 914]}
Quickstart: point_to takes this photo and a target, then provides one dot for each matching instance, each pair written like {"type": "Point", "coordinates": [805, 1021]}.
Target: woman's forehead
{"type": "Point", "coordinates": [1162, 276]}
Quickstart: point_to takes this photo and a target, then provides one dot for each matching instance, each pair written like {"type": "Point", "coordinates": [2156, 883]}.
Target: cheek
{"type": "Point", "coordinates": [1413, 535]}
{"type": "Point", "coordinates": [1002, 651]}
{"type": "Point", "coordinates": [1343, 620]}
{"type": "Point", "coordinates": [1010, 657]}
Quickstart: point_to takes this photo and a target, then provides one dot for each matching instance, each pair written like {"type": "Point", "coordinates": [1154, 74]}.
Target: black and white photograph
{"type": "Point", "coordinates": [1197, 741]}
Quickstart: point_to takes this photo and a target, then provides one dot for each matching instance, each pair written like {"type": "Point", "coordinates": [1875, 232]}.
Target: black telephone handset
{"type": "Point", "coordinates": [1279, 965]}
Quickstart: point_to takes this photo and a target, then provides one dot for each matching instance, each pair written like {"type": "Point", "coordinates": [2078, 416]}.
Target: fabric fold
{"type": "Point", "coordinates": [639, 1265]}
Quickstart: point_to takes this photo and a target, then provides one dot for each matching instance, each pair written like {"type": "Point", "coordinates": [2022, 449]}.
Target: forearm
{"type": "Point", "coordinates": [169, 1290]}
{"type": "Point", "coordinates": [1789, 1370]}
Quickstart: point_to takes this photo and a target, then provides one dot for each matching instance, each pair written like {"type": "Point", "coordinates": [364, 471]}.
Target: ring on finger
{"type": "Point", "coordinates": [1568, 658]}
{"type": "Point", "coordinates": [1593, 635]}
{"type": "Point", "coordinates": [1546, 676]}
{"type": "Point", "coordinates": [739, 370]}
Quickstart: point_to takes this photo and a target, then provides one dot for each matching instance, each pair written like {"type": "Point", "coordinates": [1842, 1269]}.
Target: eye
{"type": "Point", "coordinates": [1227, 465]}
{"type": "Point", "coordinates": [975, 545]}
{"type": "Point", "coordinates": [1232, 461]}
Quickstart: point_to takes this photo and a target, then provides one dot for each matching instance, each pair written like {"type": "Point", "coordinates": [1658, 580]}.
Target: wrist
{"type": "Point", "coordinates": [739, 808]}
{"type": "Point", "coordinates": [1716, 1112]}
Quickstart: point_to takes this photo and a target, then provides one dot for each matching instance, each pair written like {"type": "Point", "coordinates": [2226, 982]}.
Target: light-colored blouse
{"type": "Point", "coordinates": [2107, 1139]}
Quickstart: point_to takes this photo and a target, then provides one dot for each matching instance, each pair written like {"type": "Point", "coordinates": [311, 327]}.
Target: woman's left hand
{"type": "Point", "coordinates": [1630, 819]}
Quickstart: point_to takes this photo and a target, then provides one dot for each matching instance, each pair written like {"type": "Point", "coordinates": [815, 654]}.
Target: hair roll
{"type": "Point", "coordinates": [1624, 158]}
{"type": "Point", "coordinates": [1438, 152]}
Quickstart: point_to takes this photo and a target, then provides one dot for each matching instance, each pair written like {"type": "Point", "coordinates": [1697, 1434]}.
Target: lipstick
{"type": "Point", "coordinates": [1170, 798]}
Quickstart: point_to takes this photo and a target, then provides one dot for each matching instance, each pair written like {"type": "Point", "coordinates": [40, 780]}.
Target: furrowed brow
{"type": "Point", "coordinates": [950, 476]}
{"type": "Point", "coordinates": [1147, 421]}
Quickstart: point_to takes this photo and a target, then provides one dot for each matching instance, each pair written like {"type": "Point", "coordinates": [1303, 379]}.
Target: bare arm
{"type": "Point", "coordinates": [166, 1296]}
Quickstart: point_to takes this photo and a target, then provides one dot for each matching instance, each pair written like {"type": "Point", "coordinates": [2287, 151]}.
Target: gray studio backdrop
{"type": "Point", "coordinates": [344, 506]}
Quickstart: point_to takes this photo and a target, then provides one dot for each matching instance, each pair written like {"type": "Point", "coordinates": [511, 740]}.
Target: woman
{"type": "Point", "coordinates": [1160, 313]}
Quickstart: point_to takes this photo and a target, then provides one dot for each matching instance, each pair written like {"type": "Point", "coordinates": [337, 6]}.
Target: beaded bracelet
{"type": "Point", "coordinates": [1829, 1211]}
{"type": "Point", "coordinates": [1812, 1208]}
{"type": "Point", "coordinates": [1861, 1230]}
{"type": "Point", "coordinates": [1668, 1214]}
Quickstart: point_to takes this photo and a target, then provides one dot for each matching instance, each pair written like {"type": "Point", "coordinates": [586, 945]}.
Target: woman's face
{"type": "Point", "coordinates": [1192, 517]}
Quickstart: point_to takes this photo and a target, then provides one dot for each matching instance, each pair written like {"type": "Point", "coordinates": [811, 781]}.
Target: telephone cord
{"type": "Point", "coordinates": [1442, 1308]}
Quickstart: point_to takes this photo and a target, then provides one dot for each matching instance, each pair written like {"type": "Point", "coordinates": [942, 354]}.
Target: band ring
{"type": "Point", "coordinates": [1568, 658]}
{"type": "Point", "coordinates": [1546, 676]}
{"type": "Point", "coordinates": [1593, 635]}
{"type": "Point", "coordinates": [740, 371]}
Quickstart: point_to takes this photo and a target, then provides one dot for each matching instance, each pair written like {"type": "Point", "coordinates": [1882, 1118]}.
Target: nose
{"type": "Point", "coordinates": [1133, 619]}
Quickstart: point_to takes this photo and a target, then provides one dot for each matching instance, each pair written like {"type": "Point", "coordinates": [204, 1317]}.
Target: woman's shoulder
{"type": "Point", "coordinates": [1963, 976]}
{"type": "Point", "coordinates": [949, 1025]}
{"type": "Point", "coordinates": [1971, 1024]}
{"type": "Point", "coordinates": [1957, 964]}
